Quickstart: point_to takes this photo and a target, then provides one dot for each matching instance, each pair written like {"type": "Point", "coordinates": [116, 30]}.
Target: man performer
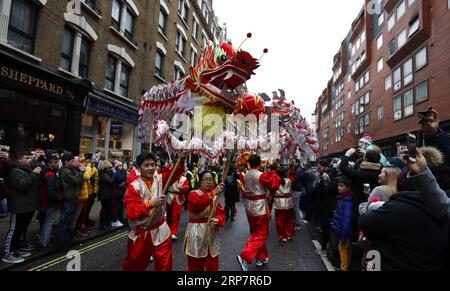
{"type": "Point", "coordinates": [175, 200]}
{"type": "Point", "coordinates": [201, 243]}
{"type": "Point", "coordinates": [257, 186]}
{"type": "Point", "coordinates": [145, 207]}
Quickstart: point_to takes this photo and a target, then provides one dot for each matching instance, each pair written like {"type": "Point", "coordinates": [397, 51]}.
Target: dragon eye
{"type": "Point", "coordinates": [223, 58]}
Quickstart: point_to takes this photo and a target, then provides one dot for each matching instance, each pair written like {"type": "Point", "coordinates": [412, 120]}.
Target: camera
{"type": "Point", "coordinates": [425, 116]}
{"type": "Point", "coordinates": [412, 148]}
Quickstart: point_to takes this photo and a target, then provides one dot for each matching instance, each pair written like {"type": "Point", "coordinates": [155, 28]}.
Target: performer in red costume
{"type": "Point", "coordinates": [145, 208]}
{"type": "Point", "coordinates": [257, 186]}
{"type": "Point", "coordinates": [175, 201]}
{"type": "Point", "coordinates": [202, 242]}
{"type": "Point", "coordinates": [284, 208]}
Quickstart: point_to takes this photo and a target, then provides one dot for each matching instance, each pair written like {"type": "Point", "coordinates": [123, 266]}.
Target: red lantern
{"type": "Point", "coordinates": [250, 104]}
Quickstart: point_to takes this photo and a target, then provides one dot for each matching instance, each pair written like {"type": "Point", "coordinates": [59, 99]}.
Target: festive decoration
{"type": "Point", "coordinates": [250, 104]}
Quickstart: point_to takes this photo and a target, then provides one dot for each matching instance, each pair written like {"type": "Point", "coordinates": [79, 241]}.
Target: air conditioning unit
{"type": "Point", "coordinates": [397, 86]}
{"type": "Point", "coordinates": [397, 115]}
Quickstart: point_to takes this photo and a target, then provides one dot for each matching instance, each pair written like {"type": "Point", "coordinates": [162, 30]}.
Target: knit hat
{"type": "Point", "coordinates": [117, 164]}
{"type": "Point", "coordinates": [107, 164]}
{"type": "Point", "coordinates": [396, 163]}
{"type": "Point", "coordinates": [367, 138]}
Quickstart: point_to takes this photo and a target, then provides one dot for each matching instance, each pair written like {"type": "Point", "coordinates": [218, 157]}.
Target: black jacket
{"type": "Point", "coordinates": [53, 190]}
{"type": "Point", "coordinates": [442, 142]}
{"type": "Point", "coordinates": [231, 189]}
{"type": "Point", "coordinates": [24, 196]}
{"type": "Point", "coordinates": [106, 185]}
{"type": "Point", "coordinates": [407, 235]}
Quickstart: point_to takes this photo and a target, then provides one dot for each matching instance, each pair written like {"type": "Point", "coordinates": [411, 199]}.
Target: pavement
{"type": "Point", "coordinates": [32, 238]}
{"type": "Point", "coordinates": [106, 251]}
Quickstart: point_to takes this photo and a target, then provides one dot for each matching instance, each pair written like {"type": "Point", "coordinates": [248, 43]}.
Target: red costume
{"type": "Point", "coordinates": [175, 201]}
{"type": "Point", "coordinates": [133, 176]}
{"type": "Point", "coordinates": [149, 232]}
{"type": "Point", "coordinates": [205, 257]}
{"type": "Point", "coordinates": [284, 211]}
{"type": "Point", "coordinates": [257, 186]}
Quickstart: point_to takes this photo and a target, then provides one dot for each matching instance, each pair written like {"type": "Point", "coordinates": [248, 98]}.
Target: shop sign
{"type": "Point", "coordinates": [115, 112]}
{"type": "Point", "coordinates": [33, 81]}
{"type": "Point", "coordinates": [116, 128]}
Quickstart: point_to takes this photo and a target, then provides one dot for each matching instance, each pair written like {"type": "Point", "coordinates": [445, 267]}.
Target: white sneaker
{"type": "Point", "coordinates": [173, 237]}
{"type": "Point", "coordinates": [11, 259]}
{"type": "Point", "coordinates": [262, 263]}
{"type": "Point", "coordinates": [242, 263]}
{"type": "Point", "coordinates": [322, 253]}
{"type": "Point", "coordinates": [22, 254]}
{"type": "Point", "coordinates": [151, 259]}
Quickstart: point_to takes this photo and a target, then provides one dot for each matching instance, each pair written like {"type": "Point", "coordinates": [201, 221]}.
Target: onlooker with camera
{"type": "Point", "coordinates": [23, 201]}
{"type": "Point", "coordinates": [52, 199]}
{"type": "Point", "coordinates": [72, 179]}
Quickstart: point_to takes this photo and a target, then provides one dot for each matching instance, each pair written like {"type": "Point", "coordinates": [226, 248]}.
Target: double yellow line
{"type": "Point", "coordinates": [82, 251]}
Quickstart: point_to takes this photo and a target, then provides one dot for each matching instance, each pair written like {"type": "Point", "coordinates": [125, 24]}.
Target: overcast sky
{"type": "Point", "coordinates": [302, 38]}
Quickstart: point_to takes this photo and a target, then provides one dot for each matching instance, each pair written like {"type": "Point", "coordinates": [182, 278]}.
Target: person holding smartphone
{"type": "Point", "coordinates": [434, 135]}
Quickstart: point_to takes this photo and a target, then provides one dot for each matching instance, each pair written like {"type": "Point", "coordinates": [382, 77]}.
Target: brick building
{"type": "Point", "coordinates": [73, 72]}
{"type": "Point", "coordinates": [393, 63]}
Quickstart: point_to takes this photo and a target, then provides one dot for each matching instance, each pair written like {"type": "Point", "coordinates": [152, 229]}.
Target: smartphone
{"type": "Point", "coordinates": [425, 116]}
{"type": "Point", "coordinates": [412, 148]}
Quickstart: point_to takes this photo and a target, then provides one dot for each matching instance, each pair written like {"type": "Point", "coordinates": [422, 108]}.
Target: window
{"type": "Point", "coordinates": [162, 21]}
{"type": "Point", "coordinates": [124, 78]}
{"type": "Point", "coordinates": [180, 43]}
{"type": "Point", "coordinates": [183, 9]}
{"type": "Point", "coordinates": [391, 48]}
{"type": "Point", "coordinates": [116, 14]}
{"type": "Point", "coordinates": [195, 29]}
{"type": "Point", "coordinates": [401, 8]}
{"type": "Point", "coordinates": [367, 120]}
{"type": "Point", "coordinates": [85, 53]}
{"type": "Point", "coordinates": [380, 112]}
{"type": "Point", "coordinates": [422, 91]}
{"type": "Point", "coordinates": [401, 39]}
{"type": "Point", "coordinates": [391, 22]}
{"type": "Point", "coordinates": [90, 3]}
{"type": "Point", "coordinates": [129, 25]}
{"type": "Point", "coordinates": [177, 73]}
{"type": "Point", "coordinates": [380, 41]}
{"type": "Point", "coordinates": [397, 108]}
{"type": "Point", "coordinates": [413, 26]}
{"type": "Point", "coordinates": [124, 27]}
{"type": "Point", "coordinates": [159, 64]}
{"type": "Point", "coordinates": [408, 103]}
{"type": "Point", "coordinates": [388, 82]}
{"type": "Point", "coordinates": [367, 98]}
{"type": "Point", "coordinates": [408, 72]}
{"type": "Point", "coordinates": [380, 65]}
{"type": "Point", "coordinates": [349, 94]}
{"type": "Point", "coordinates": [110, 74]}
{"type": "Point", "coordinates": [193, 57]}
{"type": "Point", "coordinates": [367, 77]}
{"type": "Point", "coordinates": [421, 59]}
{"type": "Point", "coordinates": [22, 25]}
{"type": "Point", "coordinates": [381, 19]}
{"type": "Point", "coordinates": [411, 2]}
{"type": "Point", "coordinates": [353, 50]}
{"type": "Point", "coordinates": [67, 50]}
{"type": "Point", "coordinates": [397, 77]}
{"type": "Point", "coordinates": [349, 128]}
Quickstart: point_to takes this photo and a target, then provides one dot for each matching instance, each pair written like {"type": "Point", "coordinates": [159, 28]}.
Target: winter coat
{"type": "Point", "coordinates": [231, 189]}
{"type": "Point", "coordinates": [24, 196]}
{"type": "Point", "coordinates": [407, 234]}
{"type": "Point", "coordinates": [86, 188]}
{"type": "Point", "coordinates": [106, 185]}
{"type": "Point", "coordinates": [71, 181]}
{"type": "Point", "coordinates": [53, 190]}
{"type": "Point", "coordinates": [342, 217]}
{"type": "Point", "coordinates": [442, 142]}
{"type": "Point", "coordinates": [120, 181]}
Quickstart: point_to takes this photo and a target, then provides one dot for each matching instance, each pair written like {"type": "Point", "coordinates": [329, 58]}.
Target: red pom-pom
{"type": "Point", "coordinates": [249, 35]}
{"type": "Point", "coordinates": [266, 51]}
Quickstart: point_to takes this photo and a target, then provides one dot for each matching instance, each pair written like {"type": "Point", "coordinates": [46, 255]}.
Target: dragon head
{"type": "Point", "coordinates": [220, 70]}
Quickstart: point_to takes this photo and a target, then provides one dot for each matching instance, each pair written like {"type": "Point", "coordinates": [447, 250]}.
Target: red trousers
{"type": "Point", "coordinates": [256, 243]}
{"type": "Point", "coordinates": [285, 223]}
{"type": "Point", "coordinates": [139, 253]}
{"type": "Point", "coordinates": [173, 216]}
{"type": "Point", "coordinates": [208, 264]}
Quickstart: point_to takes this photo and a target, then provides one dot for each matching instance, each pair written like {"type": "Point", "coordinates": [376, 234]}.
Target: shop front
{"type": "Point", "coordinates": [39, 108]}
{"type": "Point", "coordinates": [109, 127]}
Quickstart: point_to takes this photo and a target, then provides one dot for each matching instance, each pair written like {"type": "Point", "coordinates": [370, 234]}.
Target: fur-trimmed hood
{"type": "Point", "coordinates": [433, 156]}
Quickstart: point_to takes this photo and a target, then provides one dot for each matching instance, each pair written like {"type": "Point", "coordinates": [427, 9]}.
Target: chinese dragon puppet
{"type": "Point", "coordinates": [213, 84]}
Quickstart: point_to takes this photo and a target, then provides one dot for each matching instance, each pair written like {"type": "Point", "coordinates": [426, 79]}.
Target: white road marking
{"type": "Point", "coordinates": [325, 260]}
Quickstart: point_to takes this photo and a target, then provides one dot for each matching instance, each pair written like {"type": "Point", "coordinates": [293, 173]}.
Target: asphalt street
{"type": "Point", "coordinates": [107, 253]}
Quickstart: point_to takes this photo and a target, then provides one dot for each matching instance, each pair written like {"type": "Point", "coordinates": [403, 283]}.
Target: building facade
{"type": "Point", "coordinates": [394, 62]}
{"type": "Point", "coordinates": [73, 72]}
